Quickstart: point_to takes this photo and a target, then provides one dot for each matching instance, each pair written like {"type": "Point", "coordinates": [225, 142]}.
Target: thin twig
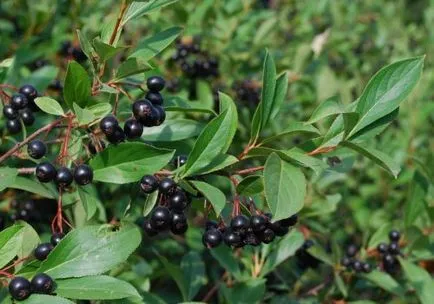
{"type": "Point", "coordinates": [249, 170]}
{"type": "Point", "coordinates": [26, 170]}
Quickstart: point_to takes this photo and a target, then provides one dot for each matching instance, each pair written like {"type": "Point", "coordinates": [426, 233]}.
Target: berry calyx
{"type": "Point", "coordinates": [9, 112]}
{"type": "Point", "coordinates": [212, 238]}
{"type": "Point", "coordinates": [133, 128]}
{"type": "Point", "coordinates": [179, 223]}
{"type": "Point", "coordinates": [19, 288]}
{"type": "Point", "coordinates": [56, 238]}
{"type": "Point", "coordinates": [155, 98]}
{"type": "Point", "coordinates": [155, 83]}
{"type": "Point", "coordinates": [161, 218]}
{"type": "Point", "coordinates": [63, 177]}
{"type": "Point", "coordinates": [83, 174]}
{"type": "Point", "coordinates": [42, 283]}
{"type": "Point", "coordinates": [42, 251]}
{"type": "Point", "coordinates": [108, 125]}
{"type": "Point", "coordinates": [45, 172]}
{"type": "Point", "coordinates": [13, 126]}
{"type": "Point", "coordinates": [36, 149]}
{"type": "Point", "coordinates": [19, 101]}
{"type": "Point", "coordinates": [167, 185]}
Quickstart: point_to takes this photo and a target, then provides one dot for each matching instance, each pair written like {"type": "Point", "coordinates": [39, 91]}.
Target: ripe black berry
{"type": "Point", "coordinates": [161, 218]}
{"type": "Point", "coordinates": [394, 236]}
{"type": "Point", "coordinates": [19, 288]}
{"type": "Point", "coordinates": [167, 185]}
{"type": "Point", "coordinates": [158, 115]}
{"type": "Point", "coordinates": [389, 259]}
{"type": "Point", "coordinates": [63, 177]}
{"type": "Point", "coordinates": [78, 54]}
{"type": "Point", "coordinates": [19, 101]}
{"type": "Point", "coordinates": [240, 224]}
{"type": "Point", "coordinates": [108, 124]}
{"type": "Point", "coordinates": [42, 283]}
{"type": "Point", "coordinates": [232, 239]}
{"type": "Point", "coordinates": [180, 160]}
{"type": "Point", "coordinates": [258, 223]}
{"type": "Point", "coordinates": [56, 238]}
{"type": "Point", "coordinates": [290, 221]}
{"type": "Point", "coordinates": [83, 175]}
{"type": "Point", "coordinates": [149, 184]}
{"type": "Point", "coordinates": [179, 223]}
{"type": "Point", "coordinates": [267, 236]}
{"type": "Point", "coordinates": [9, 112]}
{"type": "Point", "coordinates": [13, 126]}
{"type": "Point", "coordinates": [155, 83]}
{"type": "Point", "coordinates": [382, 248]}
{"type": "Point", "coordinates": [23, 214]}
{"type": "Point", "coordinates": [357, 266]}
{"type": "Point", "coordinates": [346, 262]}
{"type": "Point", "coordinates": [251, 239]}
{"type": "Point", "coordinates": [133, 128]}
{"type": "Point", "coordinates": [28, 205]}
{"type": "Point", "coordinates": [278, 229]}
{"type": "Point", "coordinates": [36, 149]}
{"type": "Point", "coordinates": [352, 250]}
{"type": "Point", "coordinates": [212, 238]}
{"type": "Point", "coordinates": [394, 248]}
{"type": "Point", "coordinates": [147, 227]}
{"type": "Point", "coordinates": [42, 251]}
{"type": "Point", "coordinates": [92, 146]}
{"type": "Point", "coordinates": [211, 225]}
{"type": "Point", "coordinates": [142, 110]}
{"type": "Point", "coordinates": [45, 172]}
{"type": "Point", "coordinates": [178, 201]}
{"type": "Point", "coordinates": [29, 91]}
{"type": "Point", "coordinates": [366, 268]}
{"type": "Point", "coordinates": [117, 136]}
{"type": "Point", "coordinates": [155, 98]}
{"type": "Point", "coordinates": [27, 116]}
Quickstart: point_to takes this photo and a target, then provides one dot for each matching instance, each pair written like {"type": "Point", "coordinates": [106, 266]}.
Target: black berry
{"type": "Point", "coordinates": [83, 174]}
{"type": "Point", "coordinates": [133, 128]}
{"type": "Point", "coordinates": [161, 218]}
{"type": "Point", "coordinates": [158, 116]}
{"type": "Point", "coordinates": [382, 248]}
{"type": "Point", "coordinates": [290, 221]}
{"type": "Point", "coordinates": [366, 268]}
{"type": "Point", "coordinates": [352, 250]}
{"type": "Point", "coordinates": [56, 238]}
{"type": "Point", "coordinates": [117, 136]}
{"type": "Point", "coordinates": [178, 201]}
{"type": "Point", "coordinates": [180, 160]}
{"type": "Point", "coordinates": [9, 112]}
{"type": "Point", "coordinates": [346, 262]}
{"type": "Point", "coordinates": [394, 236]}
{"type": "Point", "coordinates": [232, 239]}
{"type": "Point", "coordinates": [42, 283]}
{"type": "Point", "coordinates": [155, 83]}
{"type": "Point", "coordinates": [155, 98]}
{"type": "Point", "coordinates": [278, 229]}
{"type": "Point", "coordinates": [147, 227]}
{"type": "Point", "coordinates": [211, 225]}
{"type": "Point", "coordinates": [19, 101]}
{"type": "Point", "coordinates": [29, 91]}
{"type": "Point", "coordinates": [258, 223]}
{"type": "Point", "coordinates": [42, 251]}
{"type": "Point", "coordinates": [394, 248]}
{"type": "Point", "coordinates": [63, 177]}
{"type": "Point", "coordinates": [167, 185]}
{"type": "Point", "coordinates": [13, 126]}
{"type": "Point", "coordinates": [19, 288]}
{"type": "Point", "coordinates": [179, 223]}
{"type": "Point", "coordinates": [108, 124]}
{"type": "Point", "coordinates": [212, 238]}
{"type": "Point", "coordinates": [45, 172]}
{"type": "Point", "coordinates": [267, 236]}
{"type": "Point", "coordinates": [149, 184]}
{"type": "Point", "coordinates": [240, 224]}
{"type": "Point", "coordinates": [251, 239]}
{"type": "Point", "coordinates": [357, 266]}
{"type": "Point", "coordinates": [27, 117]}
{"type": "Point", "coordinates": [142, 110]}
{"type": "Point", "coordinates": [36, 149]}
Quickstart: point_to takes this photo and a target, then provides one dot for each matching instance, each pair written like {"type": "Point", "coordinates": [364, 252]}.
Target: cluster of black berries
{"type": "Point", "coordinates": [43, 250]}
{"type": "Point", "coordinates": [21, 107]}
{"type": "Point", "coordinates": [390, 252]}
{"type": "Point", "coordinates": [20, 288]}
{"type": "Point", "coordinates": [63, 176]}
{"type": "Point", "coordinates": [194, 62]}
{"type": "Point", "coordinates": [248, 92]}
{"type": "Point", "coordinates": [67, 49]}
{"type": "Point", "coordinates": [171, 215]}
{"type": "Point", "coordinates": [351, 262]}
{"type": "Point", "coordinates": [244, 231]}
{"type": "Point", "coordinates": [304, 258]}
{"type": "Point", "coordinates": [148, 112]}
{"type": "Point", "coordinates": [24, 210]}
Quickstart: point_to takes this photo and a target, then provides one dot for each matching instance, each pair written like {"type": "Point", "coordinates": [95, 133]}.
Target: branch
{"type": "Point", "coordinates": [124, 7]}
{"type": "Point", "coordinates": [249, 170]}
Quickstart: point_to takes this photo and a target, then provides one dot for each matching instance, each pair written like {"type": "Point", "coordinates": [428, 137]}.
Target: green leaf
{"type": "Point", "coordinates": [131, 66]}
{"type": "Point", "coordinates": [152, 46]}
{"type": "Point", "coordinates": [45, 299]}
{"type": "Point", "coordinates": [105, 51]}
{"type": "Point", "coordinates": [49, 105]}
{"type": "Point", "coordinates": [138, 9]}
{"type": "Point", "coordinates": [11, 240]}
{"type": "Point", "coordinates": [385, 281]}
{"type": "Point", "coordinates": [380, 158]}
{"type": "Point", "coordinates": [7, 177]}
{"type": "Point", "coordinates": [85, 44]}
{"type": "Point", "coordinates": [30, 185]}
{"type": "Point", "coordinates": [328, 107]}
{"type": "Point", "coordinates": [128, 162]}
{"type": "Point", "coordinates": [380, 235]}
{"type": "Point", "coordinates": [84, 116]}
{"type": "Point", "coordinates": [30, 241]}
{"type": "Point", "coordinates": [386, 90]}
{"type": "Point", "coordinates": [77, 85]}
{"type": "Point", "coordinates": [416, 198]}
{"type": "Point", "coordinates": [100, 110]}
{"type": "Point", "coordinates": [279, 94]}
{"type": "Point", "coordinates": [84, 251]}
{"type": "Point", "coordinates": [268, 89]}
{"type": "Point", "coordinates": [218, 163]}
{"type": "Point", "coordinates": [88, 197]}
{"type": "Point", "coordinates": [173, 130]}
{"type": "Point", "coordinates": [420, 280]}
{"type": "Point", "coordinates": [249, 292]}
{"type": "Point", "coordinates": [213, 194]}
{"type": "Point", "coordinates": [193, 269]}
{"type": "Point", "coordinates": [341, 285]}
{"type": "Point", "coordinates": [150, 201]}
{"type": "Point", "coordinates": [42, 77]}
{"type": "Point", "coordinates": [285, 187]}
{"type": "Point", "coordinates": [294, 128]}
{"type": "Point", "coordinates": [227, 104]}
{"type": "Point", "coordinates": [177, 275]}
{"type": "Point", "coordinates": [95, 288]}
{"type": "Point", "coordinates": [374, 128]}
{"type": "Point", "coordinates": [318, 252]}
{"type": "Point", "coordinates": [251, 185]}
{"type": "Point", "coordinates": [224, 255]}
{"type": "Point", "coordinates": [177, 104]}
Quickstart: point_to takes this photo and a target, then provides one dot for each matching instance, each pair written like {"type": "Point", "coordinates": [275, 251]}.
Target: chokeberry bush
{"type": "Point", "coordinates": [168, 151]}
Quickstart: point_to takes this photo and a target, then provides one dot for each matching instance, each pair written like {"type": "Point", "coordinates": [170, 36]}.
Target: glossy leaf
{"type": "Point", "coordinates": [7, 177]}
{"type": "Point", "coordinates": [77, 85]}
{"type": "Point", "coordinates": [193, 269]}
{"type": "Point", "coordinates": [42, 77]}
{"type": "Point", "coordinates": [11, 240]}
{"type": "Point", "coordinates": [45, 299]}
{"type": "Point", "coordinates": [251, 185]}
{"type": "Point", "coordinates": [131, 66]}
{"type": "Point", "coordinates": [268, 89]}
{"type": "Point", "coordinates": [213, 194]}
{"type": "Point", "coordinates": [105, 51]}
{"type": "Point", "coordinates": [173, 130]}
{"type": "Point", "coordinates": [138, 9]}
{"type": "Point", "coordinates": [33, 186]}
{"type": "Point", "coordinates": [328, 107]}
{"type": "Point", "coordinates": [294, 128]}
{"type": "Point", "coordinates": [49, 105]}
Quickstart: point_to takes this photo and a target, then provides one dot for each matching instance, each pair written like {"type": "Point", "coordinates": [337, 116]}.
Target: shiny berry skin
{"type": "Point", "coordinates": [346, 262]}
{"type": "Point", "coordinates": [20, 288]}
{"type": "Point", "coordinates": [36, 149]}
{"type": "Point", "coordinates": [366, 268]}
{"type": "Point", "coordinates": [42, 251]}
{"type": "Point", "coordinates": [178, 201]}
{"type": "Point", "coordinates": [149, 184]}
{"type": "Point", "coordinates": [13, 126]}
{"type": "Point", "coordinates": [232, 239]}
{"type": "Point", "coordinates": [394, 248]}
{"type": "Point", "coordinates": [180, 160]}
{"type": "Point", "coordinates": [167, 185]}
{"type": "Point", "coordinates": [29, 91]}
{"type": "Point", "coordinates": [240, 224]}
{"type": "Point", "coordinates": [147, 227]}
{"type": "Point", "coordinates": [27, 117]}
{"type": "Point", "coordinates": [211, 225]}
{"type": "Point", "coordinates": [83, 174]}
{"type": "Point", "coordinates": [155, 83]}
{"type": "Point", "coordinates": [389, 259]}
{"type": "Point", "coordinates": [133, 128]}
{"type": "Point", "coordinates": [394, 236]}
{"type": "Point", "coordinates": [28, 205]}
{"type": "Point", "coordinates": [42, 283]}
{"type": "Point", "coordinates": [155, 98]}
{"type": "Point", "coordinates": [142, 110]}
{"type": "Point", "coordinates": [161, 218]}
{"type": "Point", "coordinates": [56, 238]}
{"type": "Point", "coordinates": [117, 136]}
{"type": "Point", "coordinates": [351, 250]}
{"type": "Point", "coordinates": [24, 214]}
{"type": "Point", "coordinates": [45, 172]}
{"type": "Point", "coordinates": [357, 266]}
{"type": "Point", "coordinates": [278, 229]}
{"type": "Point", "coordinates": [9, 112]}
{"type": "Point", "coordinates": [19, 101]}
{"type": "Point", "coordinates": [290, 221]}
{"type": "Point", "coordinates": [92, 147]}
{"type": "Point", "coordinates": [267, 236]}
{"type": "Point", "coordinates": [108, 124]}
{"type": "Point", "coordinates": [212, 238]}
{"type": "Point", "coordinates": [63, 177]}
{"type": "Point", "coordinates": [158, 116]}
{"type": "Point", "coordinates": [382, 248]}
{"type": "Point", "coordinates": [258, 223]}
{"type": "Point", "coordinates": [179, 223]}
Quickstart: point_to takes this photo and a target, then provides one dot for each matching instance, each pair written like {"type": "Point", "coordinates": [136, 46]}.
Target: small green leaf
{"type": "Point", "coordinates": [88, 197]}
{"type": "Point", "coordinates": [251, 185]}
{"type": "Point", "coordinates": [138, 9]}
{"type": "Point", "coordinates": [213, 194]}
{"type": "Point", "coordinates": [100, 110]}
{"type": "Point", "coordinates": [49, 105]}
{"type": "Point", "coordinates": [150, 201]}
{"type": "Point", "coordinates": [226, 259]}
{"type": "Point", "coordinates": [294, 128]}
{"type": "Point", "coordinates": [105, 51]}
{"type": "Point", "coordinates": [45, 299]}
{"type": "Point", "coordinates": [193, 269]}
{"type": "Point", "coordinates": [420, 279]}
{"type": "Point", "coordinates": [7, 177]}
{"type": "Point", "coordinates": [279, 94]}
{"type": "Point", "coordinates": [328, 107]}
{"type": "Point", "coordinates": [77, 85]}
{"type": "Point", "coordinates": [11, 240]}
{"type": "Point", "coordinates": [84, 116]}
{"type": "Point", "coordinates": [220, 162]}
{"type": "Point", "coordinates": [268, 88]}
{"type": "Point", "coordinates": [251, 291]}
{"type": "Point", "coordinates": [177, 275]}
{"type": "Point", "coordinates": [385, 281]}
{"type": "Point", "coordinates": [32, 186]}
{"type": "Point", "coordinates": [173, 130]}
{"type": "Point", "coordinates": [131, 66]}
{"type": "Point", "coordinates": [380, 235]}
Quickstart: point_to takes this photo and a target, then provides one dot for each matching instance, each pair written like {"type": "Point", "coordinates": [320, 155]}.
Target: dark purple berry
{"type": "Point", "coordinates": [108, 125]}
{"type": "Point", "coordinates": [211, 225]}
{"type": "Point", "coordinates": [36, 149]}
{"type": "Point", "coordinates": [142, 110]}
{"type": "Point", "coordinates": [83, 174]}
{"type": "Point", "coordinates": [42, 283]}
{"type": "Point", "coordinates": [19, 288]}
{"type": "Point", "coordinates": [155, 83]}
{"type": "Point", "coordinates": [29, 91]}
{"type": "Point", "coordinates": [56, 238]}
{"type": "Point", "coordinates": [179, 223]}
{"type": "Point", "coordinates": [366, 268]}
{"type": "Point", "coordinates": [133, 128]}
{"type": "Point", "coordinates": [27, 117]}
{"type": "Point", "coordinates": [147, 227]}
{"type": "Point", "coordinates": [346, 261]}
{"type": "Point", "coordinates": [394, 236]}
{"type": "Point", "coordinates": [278, 229]}
{"type": "Point", "coordinates": [357, 266]}
{"type": "Point", "coordinates": [149, 184]}
{"type": "Point", "coordinates": [382, 248]}
{"type": "Point", "coordinates": [240, 224]}
{"type": "Point", "coordinates": [161, 218]}
{"type": "Point", "coordinates": [267, 236]}
{"type": "Point", "coordinates": [251, 239]}
{"type": "Point", "coordinates": [178, 201]}
{"type": "Point", "coordinates": [155, 98]}
{"type": "Point", "coordinates": [212, 238]}
{"type": "Point", "coordinates": [180, 160]}
{"type": "Point", "coordinates": [42, 251]}
{"type": "Point", "coordinates": [394, 248]}
{"type": "Point", "coordinates": [45, 172]}
{"type": "Point", "coordinates": [117, 136]}
{"type": "Point", "coordinates": [167, 186]}
{"type": "Point", "coordinates": [9, 112]}
{"type": "Point", "coordinates": [63, 177]}
{"type": "Point", "coordinates": [352, 250]}
{"type": "Point", "coordinates": [232, 239]}
{"type": "Point", "coordinates": [13, 126]}
{"type": "Point", "coordinates": [19, 101]}
{"type": "Point", "coordinates": [258, 223]}
{"type": "Point", "coordinates": [290, 221]}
